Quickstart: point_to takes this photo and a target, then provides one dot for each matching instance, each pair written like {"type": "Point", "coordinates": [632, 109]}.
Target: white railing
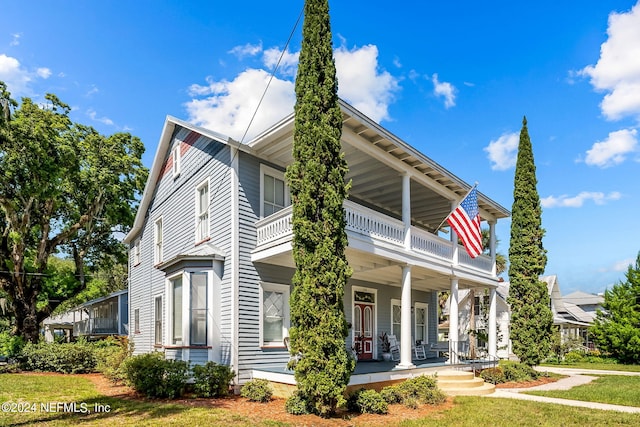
{"type": "Point", "coordinates": [274, 226]}
{"type": "Point", "coordinates": [481, 262]}
{"type": "Point", "coordinates": [430, 244]}
{"type": "Point", "coordinates": [366, 221]}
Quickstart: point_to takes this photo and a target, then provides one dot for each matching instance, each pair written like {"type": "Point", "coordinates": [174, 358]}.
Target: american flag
{"type": "Point", "coordinates": [465, 221]}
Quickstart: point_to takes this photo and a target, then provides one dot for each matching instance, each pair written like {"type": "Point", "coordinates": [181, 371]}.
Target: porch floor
{"type": "Point", "coordinates": [366, 372]}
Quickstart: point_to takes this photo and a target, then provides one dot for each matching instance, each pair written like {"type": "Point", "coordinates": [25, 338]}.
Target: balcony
{"type": "Point", "coordinates": [380, 230]}
{"type": "Point", "coordinates": [96, 326]}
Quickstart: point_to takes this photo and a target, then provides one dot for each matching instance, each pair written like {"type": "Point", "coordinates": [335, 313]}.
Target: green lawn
{"type": "Point", "coordinates": [614, 389]}
{"type": "Point", "coordinates": [603, 366]}
{"type": "Point", "coordinates": [467, 411]}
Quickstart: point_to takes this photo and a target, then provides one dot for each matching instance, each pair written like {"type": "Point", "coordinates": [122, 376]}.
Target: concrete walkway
{"type": "Point", "coordinates": [575, 378]}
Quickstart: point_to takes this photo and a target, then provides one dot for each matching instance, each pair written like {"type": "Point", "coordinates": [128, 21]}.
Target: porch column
{"type": "Point", "coordinates": [454, 239]}
{"type": "Point", "coordinates": [492, 245]}
{"type": "Point", "coordinates": [406, 209]}
{"type": "Point", "coordinates": [453, 320]}
{"type": "Point", "coordinates": [405, 320]}
{"type": "Point", "coordinates": [493, 332]}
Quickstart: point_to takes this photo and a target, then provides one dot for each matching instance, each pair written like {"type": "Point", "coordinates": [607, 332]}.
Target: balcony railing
{"type": "Point", "coordinates": [277, 228]}
{"type": "Point", "coordinates": [94, 326]}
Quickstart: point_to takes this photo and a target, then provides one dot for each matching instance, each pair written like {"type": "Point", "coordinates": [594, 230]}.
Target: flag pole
{"type": "Point", "coordinates": [465, 196]}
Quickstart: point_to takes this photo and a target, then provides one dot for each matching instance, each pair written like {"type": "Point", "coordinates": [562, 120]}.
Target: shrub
{"type": "Point", "coordinates": [257, 390]}
{"type": "Point", "coordinates": [493, 375]}
{"type": "Point", "coordinates": [67, 358]}
{"type": "Point", "coordinates": [574, 356]}
{"type": "Point", "coordinates": [212, 380]}
{"type": "Point", "coordinates": [111, 354]}
{"type": "Point", "coordinates": [297, 404]}
{"type": "Point", "coordinates": [517, 372]}
{"type": "Point", "coordinates": [151, 374]}
{"type": "Point", "coordinates": [10, 345]}
{"type": "Point", "coordinates": [391, 394]}
{"type": "Point", "coordinates": [422, 388]}
{"type": "Point", "coordinates": [367, 402]}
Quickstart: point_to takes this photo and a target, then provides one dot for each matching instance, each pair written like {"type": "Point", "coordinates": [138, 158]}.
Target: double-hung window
{"type": "Point", "coordinates": [198, 318]}
{"type": "Point", "coordinates": [175, 287]}
{"type": "Point", "coordinates": [274, 314]}
{"type": "Point", "coordinates": [396, 317]}
{"type": "Point", "coordinates": [421, 322]}
{"type": "Point", "coordinates": [274, 191]}
{"type": "Point", "coordinates": [202, 211]}
{"type": "Point", "coordinates": [157, 313]}
{"type": "Point", "coordinates": [136, 252]}
{"type": "Point", "coordinates": [177, 160]}
{"type": "Point", "coordinates": [158, 242]}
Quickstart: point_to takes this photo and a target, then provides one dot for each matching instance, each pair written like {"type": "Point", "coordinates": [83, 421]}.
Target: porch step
{"type": "Point", "coordinates": [463, 383]}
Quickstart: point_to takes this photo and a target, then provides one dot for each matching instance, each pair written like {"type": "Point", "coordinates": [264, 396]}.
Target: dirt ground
{"type": "Point", "coordinates": [274, 410]}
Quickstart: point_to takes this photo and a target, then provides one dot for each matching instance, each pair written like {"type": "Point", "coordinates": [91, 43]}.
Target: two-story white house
{"type": "Point", "coordinates": [210, 249]}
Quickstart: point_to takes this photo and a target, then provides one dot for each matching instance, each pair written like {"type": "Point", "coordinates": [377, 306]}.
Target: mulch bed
{"type": "Point", "coordinates": [539, 381]}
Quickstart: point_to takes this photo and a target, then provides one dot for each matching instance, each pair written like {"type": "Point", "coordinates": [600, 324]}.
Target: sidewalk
{"type": "Point", "coordinates": [575, 378]}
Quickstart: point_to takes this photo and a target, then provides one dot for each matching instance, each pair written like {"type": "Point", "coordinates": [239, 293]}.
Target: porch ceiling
{"type": "Point", "coordinates": [376, 269]}
{"type": "Point", "coordinates": [376, 161]}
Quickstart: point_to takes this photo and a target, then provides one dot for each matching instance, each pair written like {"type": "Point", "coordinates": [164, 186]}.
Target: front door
{"type": "Point", "coordinates": [363, 329]}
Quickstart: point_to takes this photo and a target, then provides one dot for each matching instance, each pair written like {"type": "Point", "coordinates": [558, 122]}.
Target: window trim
{"type": "Point", "coordinates": [286, 322]}
{"type": "Point", "coordinates": [158, 240]}
{"type": "Point", "coordinates": [169, 334]}
{"type": "Point", "coordinates": [421, 305]}
{"type": "Point", "coordinates": [136, 252]}
{"type": "Point", "coordinates": [177, 160]}
{"type": "Point", "coordinates": [192, 309]}
{"type": "Point", "coordinates": [268, 170]}
{"type": "Point", "coordinates": [198, 214]}
{"type": "Point", "coordinates": [158, 339]}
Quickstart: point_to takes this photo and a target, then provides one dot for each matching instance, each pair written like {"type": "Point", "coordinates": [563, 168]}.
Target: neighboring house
{"type": "Point", "coordinates": [579, 313]}
{"type": "Point", "coordinates": [94, 319]}
{"type": "Point", "coordinates": [572, 314]}
{"type": "Point", "coordinates": [481, 316]}
{"type": "Point", "coordinates": [210, 249]}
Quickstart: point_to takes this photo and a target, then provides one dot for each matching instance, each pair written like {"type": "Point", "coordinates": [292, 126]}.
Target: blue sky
{"type": "Point", "coordinates": [454, 80]}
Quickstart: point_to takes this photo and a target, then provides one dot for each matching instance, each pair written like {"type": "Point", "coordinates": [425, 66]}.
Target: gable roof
{"type": "Point", "coordinates": [383, 144]}
{"type": "Point", "coordinates": [582, 298]}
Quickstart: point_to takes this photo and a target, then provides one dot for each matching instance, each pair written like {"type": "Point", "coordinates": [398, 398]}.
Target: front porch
{"type": "Point", "coordinates": [373, 374]}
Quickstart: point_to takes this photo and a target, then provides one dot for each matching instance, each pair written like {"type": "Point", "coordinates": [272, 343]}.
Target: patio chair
{"type": "Point", "coordinates": [394, 348]}
{"type": "Point", "coordinates": [418, 350]}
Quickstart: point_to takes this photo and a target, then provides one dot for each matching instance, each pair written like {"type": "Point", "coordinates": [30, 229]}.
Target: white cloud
{"type": "Point", "coordinates": [14, 75]}
{"type": "Point", "coordinates": [619, 266]}
{"type": "Point", "coordinates": [445, 90]}
{"type": "Point", "coordinates": [15, 39]}
{"type": "Point", "coordinates": [227, 106]}
{"type": "Point", "coordinates": [288, 63]}
{"type": "Point", "coordinates": [617, 71]}
{"type": "Point", "coordinates": [362, 83]}
{"type": "Point", "coordinates": [44, 73]}
{"type": "Point", "coordinates": [614, 149]}
{"type": "Point", "coordinates": [503, 151]}
{"type": "Point", "coordinates": [565, 201]}
{"type": "Point", "coordinates": [246, 50]}
{"type": "Point", "coordinates": [18, 78]}
{"type": "Point", "coordinates": [94, 116]}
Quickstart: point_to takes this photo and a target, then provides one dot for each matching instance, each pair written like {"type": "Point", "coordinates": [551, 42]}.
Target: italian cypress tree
{"type": "Point", "coordinates": [318, 189]}
{"type": "Point", "coordinates": [531, 317]}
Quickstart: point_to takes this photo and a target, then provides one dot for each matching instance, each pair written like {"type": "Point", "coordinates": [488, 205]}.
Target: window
{"type": "Point", "coordinates": [274, 314]}
{"type": "Point", "coordinates": [176, 160]}
{"type": "Point", "coordinates": [274, 191]}
{"type": "Point", "coordinates": [157, 235]}
{"type": "Point", "coordinates": [136, 252]}
{"type": "Point", "coordinates": [136, 320]}
{"type": "Point", "coordinates": [198, 322]}
{"type": "Point", "coordinates": [158, 320]}
{"type": "Point", "coordinates": [395, 318]}
{"type": "Point", "coordinates": [176, 310]}
{"type": "Point", "coordinates": [202, 211]}
{"type": "Point", "coordinates": [479, 306]}
{"type": "Point", "coordinates": [421, 322]}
